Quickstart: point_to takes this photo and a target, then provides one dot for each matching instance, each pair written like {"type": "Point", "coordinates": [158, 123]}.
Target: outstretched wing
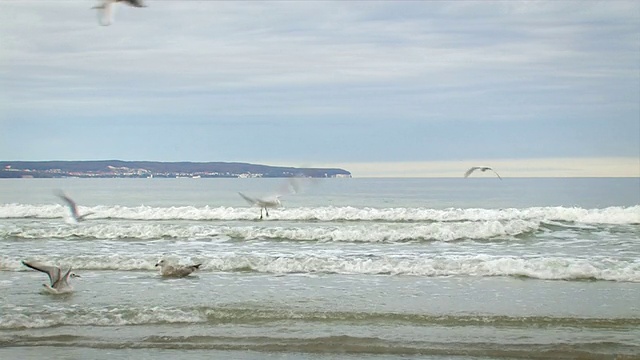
{"type": "Point", "coordinates": [81, 217]}
{"type": "Point", "coordinates": [248, 199]}
{"type": "Point", "coordinates": [62, 278]}
{"type": "Point", "coordinates": [495, 173]}
{"type": "Point", "coordinates": [70, 203]}
{"type": "Point", "coordinates": [466, 174]}
{"type": "Point", "coordinates": [136, 3]}
{"type": "Point", "coordinates": [52, 271]}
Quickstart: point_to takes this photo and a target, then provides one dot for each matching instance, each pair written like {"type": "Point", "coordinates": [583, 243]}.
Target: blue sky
{"type": "Point", "coordinates": [381, 88]}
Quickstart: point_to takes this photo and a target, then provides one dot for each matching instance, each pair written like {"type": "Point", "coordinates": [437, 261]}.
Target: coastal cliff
{"type": "Point", "coordinates": [149, 169]}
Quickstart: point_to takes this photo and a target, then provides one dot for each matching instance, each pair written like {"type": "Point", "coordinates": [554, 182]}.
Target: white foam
{"type": "Point", "coordinates": [99, 317]}
{"type": "Point", "coordinates": [543, 267]}
{"type": "Point", "coordinates": [610, 215]}
{"type": "Point", "coordinates": [548, 268]}
{"type": "Point", "coordinates": [354, 232]}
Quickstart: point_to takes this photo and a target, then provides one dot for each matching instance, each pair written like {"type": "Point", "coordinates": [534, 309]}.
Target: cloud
{"type": "Point", "coordinates": [386, 72]}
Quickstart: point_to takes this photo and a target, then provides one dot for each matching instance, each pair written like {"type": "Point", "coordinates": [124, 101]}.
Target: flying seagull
{"type": "Point", "coordinates": [264, 203]}
{"type": "Point", "coordinates": [106, 9]}
{"type": "Point", "coordinates": [58, 277]}
{"type": "Point", "coordinates": [73, 208]}
{"type": "Point", "coordinates": [169, 270]}
{"type": "Point", "coordinates": [292, 186]}
{"type": "Point", "coordinates": [481, 168]}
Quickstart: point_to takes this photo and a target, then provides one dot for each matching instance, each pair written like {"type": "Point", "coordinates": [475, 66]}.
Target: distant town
{"type": "Point", "coordinates": [153, 169]}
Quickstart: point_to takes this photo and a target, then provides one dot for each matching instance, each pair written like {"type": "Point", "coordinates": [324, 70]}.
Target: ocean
{"type": "Point", "coordinates": [477, 268]}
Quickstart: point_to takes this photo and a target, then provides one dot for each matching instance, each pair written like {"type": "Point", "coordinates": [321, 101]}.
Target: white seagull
{"type": "Point", "coordinates": [106, 9]}
{"type": "Point", "coordinates": [292, 186]}
{"type": "Point", "coordinates": [58, 277]}
{"type": "Point", "coordinates": [481, 168]}
{"type": "Point", "coordinates": [73, 208]}
{"type": "Point", "coordinates": [169, 270]}
{"type": "Point", "coordinates": [264, 203]}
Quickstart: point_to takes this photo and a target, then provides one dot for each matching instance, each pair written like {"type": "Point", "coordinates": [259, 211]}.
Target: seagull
{"type": "Point", "coordinates": [293, 186]}
{"type": "Point", "coordinates": [264, 203]}
{"type": "Point", "coordinates": [481, 168]}
{"type": "Point", "coordinates": [105, 9]}
{"type": "Point", "coordinates": [73, 208]}
{"type": "Point", "coordinates": [168, 270]}
{"type": "Point", "coordinates": [58, 277]}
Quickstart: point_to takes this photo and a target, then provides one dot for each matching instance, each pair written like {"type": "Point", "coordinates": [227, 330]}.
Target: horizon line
{"type": "Point", "coordinates": [560, 167]}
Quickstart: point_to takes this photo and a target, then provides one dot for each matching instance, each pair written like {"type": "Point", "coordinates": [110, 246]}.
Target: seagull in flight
{"type": "Point", "coordinates": [169, 270]}
{"type": "Point", "coordinates": [481, 168]}
{"type": "Point", "coordinates": [264, 203]}
{"type": "Point", "coordinates": [106, 9]}
{"type": "Point", "coordinates": [73, 208]}
{"type": "Point", "coordinates": [292, 186]}
{"type": "Point", "coordinates": [58, 277]}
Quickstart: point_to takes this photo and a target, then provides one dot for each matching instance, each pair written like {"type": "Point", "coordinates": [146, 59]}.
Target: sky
{"type": "Point", "coordinates": [379, 88]}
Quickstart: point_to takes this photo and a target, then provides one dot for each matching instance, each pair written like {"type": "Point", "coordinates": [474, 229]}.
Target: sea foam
{"type": "Point", "coordinates": [321, 232]}
{"type": "Point", "coordinates": [609, 215]}
{"type": "Point", "coordinates": [543, 267]}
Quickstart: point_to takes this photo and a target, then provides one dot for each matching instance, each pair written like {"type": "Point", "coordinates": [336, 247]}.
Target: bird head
{"type": "Point", "coordinates": [160, 263]}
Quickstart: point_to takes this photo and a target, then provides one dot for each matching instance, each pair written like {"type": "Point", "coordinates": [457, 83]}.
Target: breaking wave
{"type": "Point", "coordinates": [610, 215]}
{"type": "Point", "coordinates": [546, 268]}
{"type": "Point", "coordinates": [356, 232]}
{"type": "Point", "coordinates": [21, 318]}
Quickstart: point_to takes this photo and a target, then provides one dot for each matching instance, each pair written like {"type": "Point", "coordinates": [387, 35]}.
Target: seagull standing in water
{"type": "Point", "coordinates": [292, 186]}
{"type": "Point", "coordinates": [73, 208]}
{"type": "Point", "coordinates": [169, 270]}
{"type": "Point", "coordinates": [481, 168]}
{"type": "Point", "coordinates": [58, 278]}
{"type": "Point", "coordinates": [264, 203]}
{"type": "Point", "coordinates": [106, 9]}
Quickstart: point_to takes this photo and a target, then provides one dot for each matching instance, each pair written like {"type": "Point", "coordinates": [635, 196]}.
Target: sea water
{"type": "Point", "coordinates": [346, 268]}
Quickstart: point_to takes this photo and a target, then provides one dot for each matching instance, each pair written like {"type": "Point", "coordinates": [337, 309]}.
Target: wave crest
{"type": "Point", "coordinates": [546, 268]}
{"type": "Point", "coordinates": [610, 215]}
{"type": "Point", "coordinates": [368, 233]}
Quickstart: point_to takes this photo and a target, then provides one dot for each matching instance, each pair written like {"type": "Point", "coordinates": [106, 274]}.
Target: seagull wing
{"type": "Point", "coordinates": [186, 270]}
{"type": "Point", "coordinates": [81, 217]}
{"type": "Point", "coordinates": [71, 204]}
{"type": "Point", "coordinates": [61, 278]}
{"type": "Point", "coordinates": [270, 201]}
{"type": "Point", "coordinates": [52, 271]}
{"type": "Point", "coordinates": [248, 199]}
{"type": "Point", "coordinates": [292, 186]}
{"type": "Point", "coordinates": [136, 3]}
{"type": "Point", "coordinates": [466, 174]}
{"type": "Point", "coordinates": [495, 173]}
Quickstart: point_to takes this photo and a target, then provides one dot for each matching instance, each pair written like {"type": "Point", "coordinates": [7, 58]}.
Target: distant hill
{"type": "Point", "coordinates": [147, 169]}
